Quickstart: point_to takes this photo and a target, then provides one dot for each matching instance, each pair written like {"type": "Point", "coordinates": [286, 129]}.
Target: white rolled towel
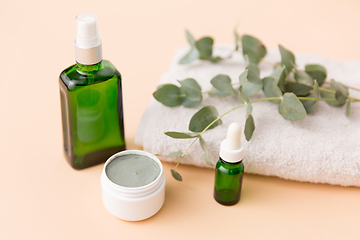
{"type": "Point", "coordinates": [322, 148]}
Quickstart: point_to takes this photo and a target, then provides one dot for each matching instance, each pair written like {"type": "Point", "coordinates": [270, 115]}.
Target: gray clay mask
{"type": "Point", "coordinates": [132, 170]}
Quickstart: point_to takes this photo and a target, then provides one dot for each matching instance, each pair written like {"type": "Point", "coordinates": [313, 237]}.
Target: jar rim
{"type": "Point", "coordinates": [133, 152]}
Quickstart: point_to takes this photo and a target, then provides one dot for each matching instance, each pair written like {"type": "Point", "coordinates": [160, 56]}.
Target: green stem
{"type": "Point", "coordinates": [320, 99]}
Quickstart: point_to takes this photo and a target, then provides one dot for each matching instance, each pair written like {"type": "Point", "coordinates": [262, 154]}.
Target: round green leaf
{"type": "Point", "coordinates": [249, 89]}
{"type": "Point", "coordinates": [341, 92]}
{"type": "Point", "coordinates": [271, 89]}
{"type": "Point", "coordinates": [242, 97]}
{"type": "Point", "coordinates": [249, 127]}
{"type": "Point", "coordinates": [297, 88]}
{"type": "Point", "coordinates": [216, 92]}
{"type": "Point", "coordinates": [205, 147]}
{"type": "Point", "coordinates": [222, 83]}
{"type": "Point", "coordinates": [253, 75]}
{"type": "Point", "coordinates": [176, 175]}
{"type": "Point", "coordinates": [316, 91]}
{"type": "Point", "coordinates": [277, 72]}
{"type": "Point", "coordinates": [331, 96]}
{"type": "Point", "coordinates": [189, 103]}
{"type": "Point", "coordinates": [237, 39]}
{"type": "Point", "coordinates": [181, 135]}
{"type": "Point", "coordinates": [317, 72]}
{"type": "Point", "coordinates": [192, 89]}
{"type": "Point", "coordinates": [190, 38]}
{"type": "Point", "coordinates": [291, 108]}
{"type": "Point", "coordinates": [309, 105]}
{"type": "Point", "coordinates": [203, 118]}
{"type": "Point", "coordinates": [204, 45]}
{"type": "Point", "coordinates": [249, 109]}
{"type": "Point", "coordinates": [348, 107]}
{"type": "Point", "coordinates": [302, 77]}
{"type": "Point", "coordinates": [243, 77]}
{"type": "Point", "coordinates": [215, 59]}
{"type": "Point", "coordinates": [253, 48]}
{"type": "Point", "coordinates": [168, 94]}
{"type": "Point", "coordinates": [281, 82]}
{"type": "Point", "coordinates": [287, 59]}
{"type": "Point", "coordinates": [190, 56]}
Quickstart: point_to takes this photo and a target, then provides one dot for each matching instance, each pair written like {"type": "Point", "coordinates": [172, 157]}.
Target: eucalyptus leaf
{"type": "Point", "coordinates": [281, 82]}
{"type": "Point", "coordinates": [237, 39]}
{"type": "Point", "coordinates": [203, 118]}
{"type": "Point", "coordinates": [222, 83]}
{"type": "Point", "coordinates": [341, 93]}
{"type": "Point", "coordinates": [216, 92]}
{"type": "Point", "coordinates": [297, 88]}
{"type": "Point", "coordinates": [168, 94]}
{"type": "Point", "coordinates": [340, 97]}
{"type": "Point", "coordinates": [181, 135]}
{"type": "Point", "coordinates": [253, 75]}
{"type": "Point", "coordinates": [249, 89]}
{"type": "Point", "coordinates": [205, 147]}
{"type": "Point", "coordinates": [287, 59]}
{"type": "Point", "coordinates": [191, 88]}
{"type": "Point", "coordinates": [215, 59]}
{"type": "Point", "coordinates": [249, 109]}
{"type": "Point", "coordinates": [190, 38]}
{"type": "Point", "coordinates": [243, 77]}
{"type": "Point", "coordinates": [317, 72]}
{"type": "Point", "coordinates": [277, 73]}
{"type": "Point", "coordinates": [204, 45]}
{"type": "Point", "coordinates": [302, 77]}
{"type": "Point", "coordinates": [253, 47]}
{"type": "Point", "coordinates": [190, 56]}
{"type": "Point", "coordinates": [190, 103]}
{"type": "Point", "coordinates": [173, 154]}
{"type": "Point", "coordinates": [247, 60]}
{"type": "Point", "coordinates": [331, 96]}
{"type": "Point", "coordinates": [348, 107]}
{"type": "Point", "coordinates": [249, 127]}
{"type": "Point", "coordinates": [242, 97]}
{"type": "Point", "coordinates": [271, 89]}
{"type": "Point", "coordinates": [309, 105]}
{"type": "Point", "coordinates": [316, 91]}
{"type": "Point", "coordinates": [176, 175]}
{"type": "Point", "coordinates": [291, 107]}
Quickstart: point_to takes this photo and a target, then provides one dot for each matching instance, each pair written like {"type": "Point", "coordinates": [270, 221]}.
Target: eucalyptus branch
{"type": "Point", "coordinates": [239, 106]}
{"type": "Point", "coordinates": [297, 94]}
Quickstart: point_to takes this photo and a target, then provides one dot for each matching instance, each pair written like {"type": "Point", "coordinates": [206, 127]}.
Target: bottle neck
{"type": "Point", "coordinates": [88, 69]}
{"type": "Point", "coordinates": [231, 163]}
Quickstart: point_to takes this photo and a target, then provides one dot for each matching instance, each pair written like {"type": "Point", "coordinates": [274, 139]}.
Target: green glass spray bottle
{"type": "Point", "coordinates": [91, 101]}
{"type": "Point", "coordinates": [230, 168]}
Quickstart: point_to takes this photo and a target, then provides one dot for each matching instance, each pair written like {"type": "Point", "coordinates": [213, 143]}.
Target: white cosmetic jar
{"type": "Point", "coordinates": [133, 203]}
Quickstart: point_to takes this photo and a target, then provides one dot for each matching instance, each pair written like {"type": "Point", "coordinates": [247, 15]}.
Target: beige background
{"type": "Point", "coordinates": [42, 197]}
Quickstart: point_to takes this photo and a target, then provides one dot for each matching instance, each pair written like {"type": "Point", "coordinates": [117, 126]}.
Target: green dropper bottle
{"type": "Point", "coordinates": [230, 168]}
{"type": "Point", "coordinates": [91, 101]}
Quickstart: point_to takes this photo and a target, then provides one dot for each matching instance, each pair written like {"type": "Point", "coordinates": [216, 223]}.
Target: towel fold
{"type": "Point", "coordinates": [322, 148]}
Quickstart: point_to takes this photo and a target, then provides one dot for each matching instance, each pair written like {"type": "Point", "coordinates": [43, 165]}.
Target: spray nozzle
{"type": "Point", "coordinates": [87, 35]}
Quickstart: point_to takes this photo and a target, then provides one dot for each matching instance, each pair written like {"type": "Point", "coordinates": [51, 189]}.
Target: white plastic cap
{"type": "Point", "coordinates": [87, 34]}
{"type": "Point", "coordinates": [88, 48]}
{"type": "Point", "coordinates": [231, 149]}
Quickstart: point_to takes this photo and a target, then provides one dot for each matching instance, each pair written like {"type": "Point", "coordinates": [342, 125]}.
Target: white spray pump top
{"type": "Point", "coordinates": [88, 48]}
{"type": "Point", "coordinates": [230, 149]}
